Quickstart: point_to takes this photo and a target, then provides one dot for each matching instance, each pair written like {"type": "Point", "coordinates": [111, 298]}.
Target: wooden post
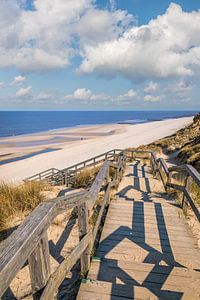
{"type": "Point", "coordinates": [168, 181]}
{"type": "Point", "coordinates": [185, 201]}
{"type": "Point", "coordinates": [107, 179]}
{"type": "Point", "coordinates": [83, 222]}
{"type": "Point", "coordinates": [39, 266]}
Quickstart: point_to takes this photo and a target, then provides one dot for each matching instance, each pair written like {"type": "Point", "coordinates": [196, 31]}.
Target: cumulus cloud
{"type": "Point", "coordinates": [49, 35]}
{"type": "Point", "coordinates": [151, 98]}
{"type": "Point", "coordinates": [86, 94]}
{"type": "Point", "coordinates": [131, 94]}
{"type": "Point", "coordinates": [166, 47]}
{"type": "Point", "coordinates": [23, 92]}
{"type": "Point", "coordinates": [151, 87]}
{"type": "Point", "coordinates": [18, 79]}
{"type": "Point", "coordinates": [1, 84]}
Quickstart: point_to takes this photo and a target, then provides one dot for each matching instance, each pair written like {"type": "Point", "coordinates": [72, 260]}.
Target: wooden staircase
{"type": "Point", "coordinates": [146, 249]}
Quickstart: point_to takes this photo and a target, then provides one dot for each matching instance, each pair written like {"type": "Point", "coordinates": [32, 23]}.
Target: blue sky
{"type": "Point", "coordinates": [103, 55]}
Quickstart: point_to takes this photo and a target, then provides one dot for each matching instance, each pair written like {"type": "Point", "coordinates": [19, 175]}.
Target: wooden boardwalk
{"type": "Point", "coordinates": [146, 249]}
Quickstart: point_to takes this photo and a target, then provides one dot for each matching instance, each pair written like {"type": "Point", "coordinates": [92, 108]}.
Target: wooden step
{"type": "Point", "coordinates": [102, 290]}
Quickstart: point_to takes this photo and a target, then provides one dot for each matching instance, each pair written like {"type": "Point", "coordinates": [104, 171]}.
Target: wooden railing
{"type": "Point", "coordinates": [190, 176]}
{"type": "Point", "coordinates": [68, 175]}
{"type": "Point", "coordinates": [29, 242]}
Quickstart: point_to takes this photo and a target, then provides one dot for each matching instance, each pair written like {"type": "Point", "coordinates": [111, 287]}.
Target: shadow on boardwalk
{"type": "Point", "coordinates": [163, 261]}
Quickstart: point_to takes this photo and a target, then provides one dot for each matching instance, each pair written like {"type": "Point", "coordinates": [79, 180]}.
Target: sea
{"type": "Point", "coordinates": [13, 123]}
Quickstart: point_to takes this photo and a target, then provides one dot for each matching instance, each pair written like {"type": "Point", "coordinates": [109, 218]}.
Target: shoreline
{"type": "Point", "coordinates": [124, 122]}
{"type": "Point", "coordinates": [84, 142]}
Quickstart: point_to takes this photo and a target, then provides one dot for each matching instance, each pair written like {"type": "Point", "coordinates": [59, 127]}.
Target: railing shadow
{"type": "Point", "coordinates": [152, 282]}
{"type": "Point", "coordinates": [163, 261]}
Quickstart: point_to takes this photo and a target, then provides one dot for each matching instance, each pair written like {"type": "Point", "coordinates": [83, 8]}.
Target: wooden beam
{"type": "Point", "coordinates": [83, 222]}
{"type": "Point", "coordinates": [39, 266]}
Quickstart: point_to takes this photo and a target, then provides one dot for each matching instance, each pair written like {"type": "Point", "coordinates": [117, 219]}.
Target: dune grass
{"type": "Point", "coordinates": [85, 177]}
{"type": "Point", "coordinates": [19, 199]}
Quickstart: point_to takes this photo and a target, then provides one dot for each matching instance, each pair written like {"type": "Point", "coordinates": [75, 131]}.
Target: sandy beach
{"type": "Point", "coordinates": [23, 156]}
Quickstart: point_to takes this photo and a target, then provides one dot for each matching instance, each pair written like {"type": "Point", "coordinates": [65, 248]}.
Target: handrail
{"type": "Point", "coordinates": [189, 169]}
{"type": "Point", "coordinates": [17, 248]}
{"type": "Point", "coordinates": [75, 166]}
{"type": "Point", "coordinates": [30, 238]}
{"type": "Point", "coordinates": [190, 172]}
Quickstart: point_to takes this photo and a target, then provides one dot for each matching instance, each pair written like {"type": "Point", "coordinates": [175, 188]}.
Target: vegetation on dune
{"type": "Point", "coordinates": [185, 147]}
{"type": "Point", "coordinates": [186, 144]}
{"type": "Point", "coordinates": [16, 200]}
{"type": "Point", "coordinates": [85, 177]}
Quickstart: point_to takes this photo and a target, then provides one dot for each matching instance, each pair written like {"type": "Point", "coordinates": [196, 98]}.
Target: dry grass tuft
{"type": "Point", "coordinates": [19, 199]}
{"type": "Point", "coordinates": [85, 178]}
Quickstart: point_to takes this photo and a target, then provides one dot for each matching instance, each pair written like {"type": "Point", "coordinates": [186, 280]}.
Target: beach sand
{"type": "Point", "coordinates": [65, 147]}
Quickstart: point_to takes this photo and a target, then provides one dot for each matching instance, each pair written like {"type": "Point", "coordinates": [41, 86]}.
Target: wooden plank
{"type": "Point", "coordinates": [105, 202]}
{"type": "Point", "coordinates": [145, 267]}
{"type": "Point", "coordinates": [177, 277]}
{"type": "Point", "coordinates": [139, 226]}
{"type": "Point", "coordinates": [39, 265]}
{"type": "Point", "coordinates": [100, 290]}
{"type": "Point", "coordinates": [83, 223]}
{"type": "Point", "coordinates": [127, 231]}
{"type": "Point", "coordinates": [183, 243]}
{"type": "Point", "coordinates": [153, 258]}
{"type": "Point", "coordinates": [96, 186]}
{"type": "Point", "coordinates": [132, 245]}
{"type": "Point", "coordinates": [143, 249]}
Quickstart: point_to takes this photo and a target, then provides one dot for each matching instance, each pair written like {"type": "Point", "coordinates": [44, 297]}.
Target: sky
{"type": "Point", "coordinates": [99, 55]}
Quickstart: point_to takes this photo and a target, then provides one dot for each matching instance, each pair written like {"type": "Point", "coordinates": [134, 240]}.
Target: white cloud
{"type": "Point", "coordinates": [1, 84]}
{"type": "Point", "coordinates": [43, 96]}
{"type": "Point", "coordinates": [82, 94]}
{"type": "Point", "coordinates": [86, 94]}
{"type": "Point", "coordinates": [23, 92]}
{"type": "Point", "coordinates": [151, 98]}
{"type": "Point", "coordinates": [44, 38]}
{"type": "Point", "coordinates": [18, 79]}
{"type": "Point", "coordinates": [151, 87]}
{"type": "Point", "coordinates": [131, 94]}
{"type": "Point", "coordinates": [168, 46]}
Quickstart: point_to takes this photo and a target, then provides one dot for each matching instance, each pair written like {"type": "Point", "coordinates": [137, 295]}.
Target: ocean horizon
{"type": "Point", "coordinates": [13, 123]}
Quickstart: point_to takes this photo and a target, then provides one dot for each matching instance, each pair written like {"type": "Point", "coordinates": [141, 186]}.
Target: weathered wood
{"type": "Point", "coordinates": [96, 186]}
{"type": "Point", "coordinates": [142, 231]}
{"type": "Point", "coordinates": [17, 248]}
{"type": "Point", "coordinates": [58, 276]}
{"type": "Point", "coordinates": [83, 222]}
{"type": "Point", "coordinates": [28, 241]}
{"type": "Point", "coordinates": [39, 265]}
{"type": "Point", "coordinates": [105, 202]}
